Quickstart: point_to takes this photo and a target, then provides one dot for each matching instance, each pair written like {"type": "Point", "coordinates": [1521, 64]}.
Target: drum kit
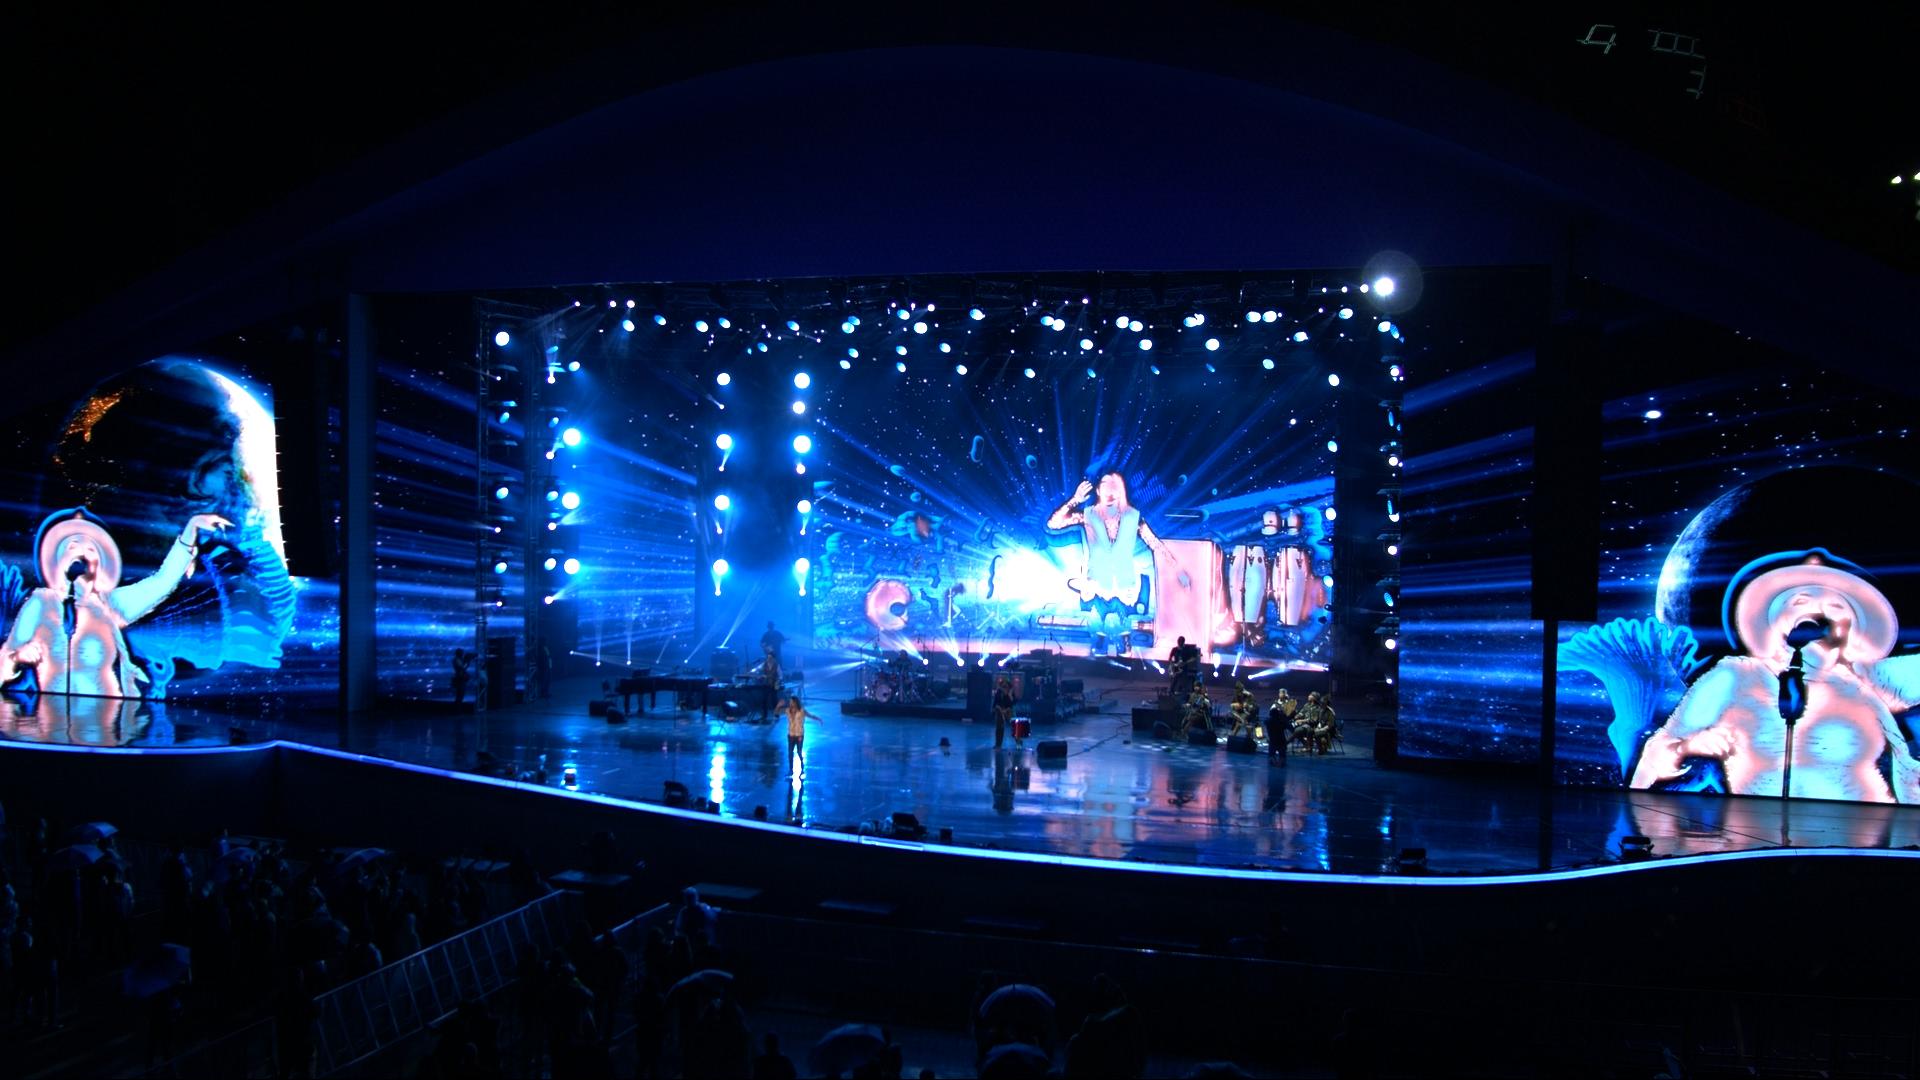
{"type": "Point", "coordinates": [896, 678]}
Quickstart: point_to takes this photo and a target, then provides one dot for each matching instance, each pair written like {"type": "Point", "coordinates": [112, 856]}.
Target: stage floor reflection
{"type": "Point", "coordinates": [1117, 794]}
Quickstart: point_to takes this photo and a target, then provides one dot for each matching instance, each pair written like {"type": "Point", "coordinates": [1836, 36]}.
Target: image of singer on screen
{"type": "Point", "coordinates": [68, 635]}
{"type": "Point", "coordinates": [1109, 587]}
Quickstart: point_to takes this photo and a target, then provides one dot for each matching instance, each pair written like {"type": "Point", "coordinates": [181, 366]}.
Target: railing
{"type": "Point", "coordinates": [361, 1018]}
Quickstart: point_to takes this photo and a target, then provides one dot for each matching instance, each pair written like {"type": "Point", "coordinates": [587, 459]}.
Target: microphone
{"type": "Point", "coordinates": [1793, 682]}
{"type": "Point", "coordinates": [75, 571]}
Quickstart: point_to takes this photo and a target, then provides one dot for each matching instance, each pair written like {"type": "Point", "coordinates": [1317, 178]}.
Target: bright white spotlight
{"type": "Point", "coordinates": [551, 562]}
{"type": "Point", "coordinates": [571, 500]}
{"type": "Point", "coordinates": [1269, 316]}
{"type": "Point", "coordinates": [722, 502]}
{"type": "Point", "coordinates": [1213, 344]}
{"type": "Point", "coordinates": [571, 436]}
{"type": "Point", "coordinates": [1391, 644]}
{"type": "Point", "coordinates": [627, 325]}
{"type": "Point", "coordinates": [1122, 322]}
{"type": "Point", "coordinates": [1299, 335]}
{"type": "Point", "coordinates": [1653, 414]}
{"type": "Point", "coordinates": [1136, 326]}
{"type": "Point", "coordinates": [793, 326]}
{"type": "Point", "coordinates": [1393, 372]}
{"type": "Point", "coordinates": [659, 320]}
{"type": "Point", "coordinates": [800, 468]}
{"type": "Point", "coordinates": [502, 338]}
{"type": "Point", "coordinates": [801, 566]}
{"type": "Point", "coordinates": [573, 365]}
{"type": "Point", "coordinates": [720, 568]}
{"type": "Point", "coordinates": [1383, 286]}
{"type": "Point", "coordinates": [723, 379]}
{"type": "Point", "coordinates": [548, 599]}
{"type": "Point", "coordinates": [846, 328]}
{"type": "Point", "coordinates": [762, 346]}
{"type": "Point", "coordinates": [1146, 344]}
{"type": "Point", "coordinates": [1332, 513]}
{"type": "Point", "coordinates": [919, 328]}
{"type": "Point", "coordinates": [1333, 446]}
{"type": "Point", "coordinates": [1029, 373]}
{"type": "Point", "coordinates": [945, 348]}
{"type": "Point", "coordinates": [959, 369]}
{"type": "Point", "coordinates": [1393, 461]}
{"type": "Point", "coordinates": [571, 566]}
{"type": "Point", "coordinates": [725, 323]}
{"type": "Point", "coordinates": [1092, 374]}
{"type": "Point", "coordinates": [853, 354]}
{"type": "Point", "coordinates": [904, 314]}
{"type": "Point", "coordinates": [799, 408]}
{"type": "Point", "coordinates": [900, 366]}
{"type": "Point", "coordinates": [1155, 368]}
{"type": "Point", "coordinates": [1199, 319]}
{"type": "Point", "coordinates": [1253, 316]}
{"type": "Point", "coordinates": [500, 567]}
{"type": "Point", "coordinates": [724, 441]}
{"type": "Point", "coordinates": [802, 444]}
{"type": "Point", "coordinates": [501, 492]}
{"type": "Point", "coordinates": [976, 314]}
{"type": "Point", "coordinates": [1333, 379]}
{"type": "Point", "coordinates": [1086, 344]}
{"type": "Point", "coordinates": [700, 325]}
{"type": "Point", "coordinates": [900, 349]}
{"type": "Point", "coordinates": [1059, 324]}
{"type": "Point", "coordinates": [553, 494]}
{"type": "Point", "coordinates": [1267, 362]}
{"type": "Point", "coordinates": [802, 380]}
{"type": "Point", "coordinates": [1046, 321]}
{"type": "Point", "coordinates": [846, 365]}
{"type": "Point", "coordinates": [805, 506]}
{"type": "Point", "coordinates": [1346, 313]}
{"type": "Point", "coordinates": [1393, 549]}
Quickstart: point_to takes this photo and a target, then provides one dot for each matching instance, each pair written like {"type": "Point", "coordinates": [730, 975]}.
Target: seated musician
{"type": "Point", "coordinates": [1245, 713]}
{"type": "Point", "coordinates": [1304, 720]}
{"type": "Point", "coordinates": [1325, 727]}
{"type": "Point", "coordinates": [1199, 711]}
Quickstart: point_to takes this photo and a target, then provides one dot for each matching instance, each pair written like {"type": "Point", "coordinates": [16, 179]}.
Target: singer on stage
{"type": "Point", "coordinates": [69, 631]}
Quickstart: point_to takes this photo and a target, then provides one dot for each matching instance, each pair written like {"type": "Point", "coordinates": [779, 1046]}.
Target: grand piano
{"type": "Point", "coordinates": [689, 688]}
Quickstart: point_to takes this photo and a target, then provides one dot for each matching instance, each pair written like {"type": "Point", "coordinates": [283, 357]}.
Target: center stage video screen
{"type": "Point", "coordinates": [1102, 504]}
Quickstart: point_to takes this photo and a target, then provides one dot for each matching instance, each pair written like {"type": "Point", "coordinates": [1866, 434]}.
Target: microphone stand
{"type": "Point", "coordinates": [1793, 704]}
{"type": "Point", "coordinates": [73, 624]}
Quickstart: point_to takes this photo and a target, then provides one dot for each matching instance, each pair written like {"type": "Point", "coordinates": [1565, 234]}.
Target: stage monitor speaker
{"type": "Point", "coordinates": [597, 707]}
{"type": "Point", "coordinates": [979, 695]}
{"type": "Point", "coordinates": [1202, 737]}
{"type": "Point", "coordinates": [723, 665]}
{"type": "Point", "coordinates": [1144, 718]}
{"type": "Point", "coordinates": [676, 793]}
{"type": "Point", "coordinates": [1242, 744]}
{"type": "Point", "coordinates": [1386, 744]}
{"type": "Point", "coordinates": [1050, 748]}
{"type": "Point", "coordinates": [615, 715]}
{"type": "Point", "coordinates": [905, 824]}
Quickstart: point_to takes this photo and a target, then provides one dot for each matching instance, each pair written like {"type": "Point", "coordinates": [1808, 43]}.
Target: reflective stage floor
{"type": "Point", "coordinates": [1118, 794]}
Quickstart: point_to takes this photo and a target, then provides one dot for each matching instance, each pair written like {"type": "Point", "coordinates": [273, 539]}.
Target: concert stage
{"type": "Point", "coordinates": [1117, 794]}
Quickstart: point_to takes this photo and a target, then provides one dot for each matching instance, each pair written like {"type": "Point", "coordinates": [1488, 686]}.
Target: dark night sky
{"type": "Point", "coordinates": [139, 134]}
